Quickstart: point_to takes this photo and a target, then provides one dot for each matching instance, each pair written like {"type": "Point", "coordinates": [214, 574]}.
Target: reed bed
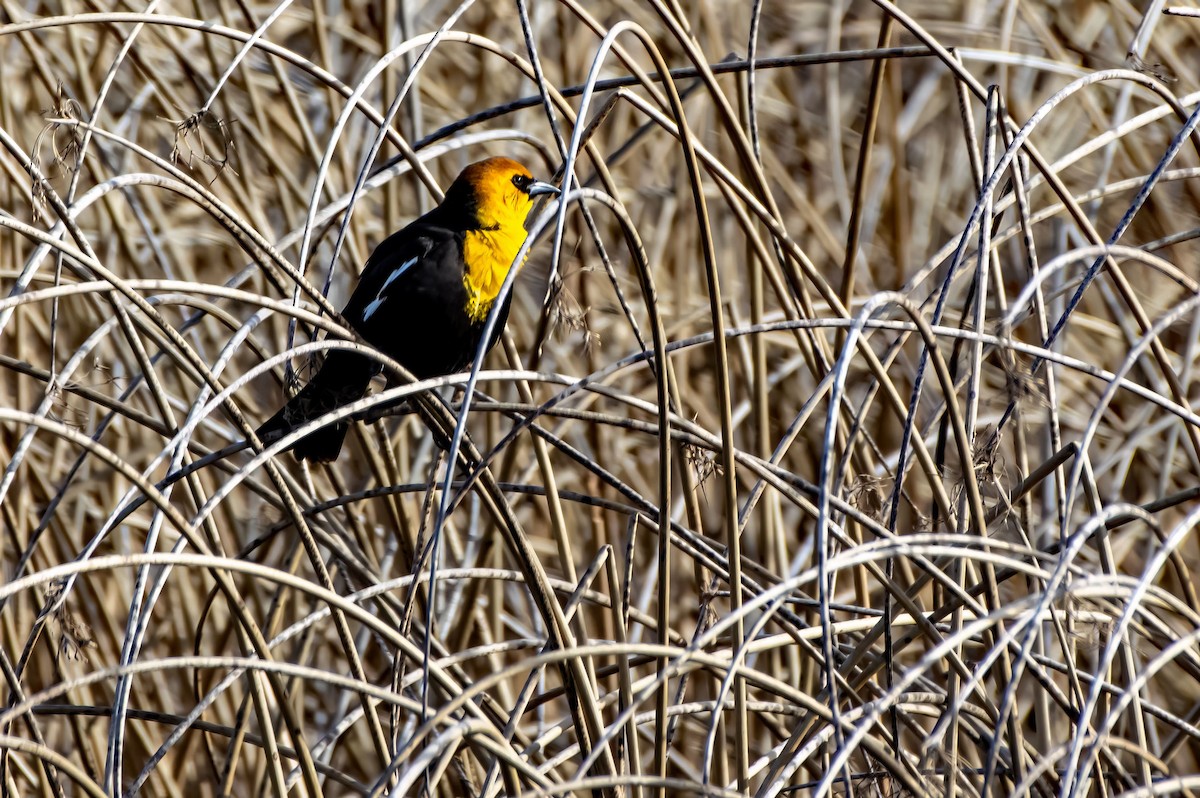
{"type": "Point", "coordinates": [844, 439]}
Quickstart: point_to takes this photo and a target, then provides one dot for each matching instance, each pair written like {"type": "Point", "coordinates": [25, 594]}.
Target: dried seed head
{"type": "Point", "coordinates": [199, 133]}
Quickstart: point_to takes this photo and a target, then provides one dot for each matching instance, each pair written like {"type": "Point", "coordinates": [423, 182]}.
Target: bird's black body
{"type": "Point", "coordinates": [421, 321]}
{"type": "Point", "coordinates": [411, 303]}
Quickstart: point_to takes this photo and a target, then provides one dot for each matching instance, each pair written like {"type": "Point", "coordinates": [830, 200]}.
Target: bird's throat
{"type": "Point", "coordinates": [488, 255]}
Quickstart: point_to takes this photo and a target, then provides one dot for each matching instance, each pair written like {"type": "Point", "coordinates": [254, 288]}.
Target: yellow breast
{"type": "Point", "coordinates": [488, 255]}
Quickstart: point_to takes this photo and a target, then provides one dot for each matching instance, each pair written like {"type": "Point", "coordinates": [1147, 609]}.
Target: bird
{"type": "Point", "coordinates": [423, 298]}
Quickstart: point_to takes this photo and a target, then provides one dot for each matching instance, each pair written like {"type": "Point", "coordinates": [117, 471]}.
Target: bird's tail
{"type": "Point", "coordinates": [343, 378]}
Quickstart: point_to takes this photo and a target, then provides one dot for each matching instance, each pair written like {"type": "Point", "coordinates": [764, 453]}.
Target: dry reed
{"type": "Point", "coordinates": [884, 314]}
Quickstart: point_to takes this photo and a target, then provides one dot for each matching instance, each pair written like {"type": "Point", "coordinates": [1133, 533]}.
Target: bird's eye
{"type": "Point", "coordinates": [522, 182]}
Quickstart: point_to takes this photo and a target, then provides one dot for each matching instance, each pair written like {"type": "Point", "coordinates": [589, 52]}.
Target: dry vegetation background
{"type": "Point", "coordinates": [768, 317]}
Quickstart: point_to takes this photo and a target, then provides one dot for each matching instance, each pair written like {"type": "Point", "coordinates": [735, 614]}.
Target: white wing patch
{"type": "Point", "coordinates": [377, 302]}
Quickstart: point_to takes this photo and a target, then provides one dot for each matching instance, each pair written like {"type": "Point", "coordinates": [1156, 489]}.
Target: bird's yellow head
{"type": "Point", "coordinates": [499, 191]}
{"type": "Point", "coordinates": [496, 196]}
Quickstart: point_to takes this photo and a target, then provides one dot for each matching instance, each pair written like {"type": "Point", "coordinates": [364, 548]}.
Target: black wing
{"type": "Point", "coordinates": [395, 262]}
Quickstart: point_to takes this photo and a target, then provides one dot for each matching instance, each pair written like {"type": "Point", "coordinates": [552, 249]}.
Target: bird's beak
{"type": "Point", "coordinates": [537, 187]}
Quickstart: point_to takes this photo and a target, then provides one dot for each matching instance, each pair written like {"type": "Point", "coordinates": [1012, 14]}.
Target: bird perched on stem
{"type": "Point", "coordinates": [423, 298]}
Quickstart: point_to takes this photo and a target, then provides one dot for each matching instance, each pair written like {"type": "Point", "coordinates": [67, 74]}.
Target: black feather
{"type": "Point", "coordinates": [419, 319]}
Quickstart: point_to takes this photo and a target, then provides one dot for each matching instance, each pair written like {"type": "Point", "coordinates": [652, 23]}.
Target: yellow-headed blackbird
{"type": "Point", "coordinates": [424, 297]}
